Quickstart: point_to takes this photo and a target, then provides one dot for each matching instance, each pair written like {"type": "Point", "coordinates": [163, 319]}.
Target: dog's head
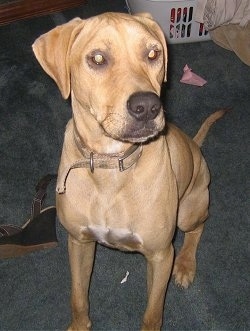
{"type": "Point", "coordinates": [113, 65]}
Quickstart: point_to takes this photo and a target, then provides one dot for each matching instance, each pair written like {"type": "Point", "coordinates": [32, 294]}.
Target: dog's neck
{"type": "Point", "coordinates": [92, 159]}
{"type": "Point", "coordinates": [121, 160]}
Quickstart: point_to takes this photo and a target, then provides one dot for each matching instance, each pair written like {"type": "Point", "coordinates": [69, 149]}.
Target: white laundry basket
{"type": "Point", "coordinates": [176, 18]}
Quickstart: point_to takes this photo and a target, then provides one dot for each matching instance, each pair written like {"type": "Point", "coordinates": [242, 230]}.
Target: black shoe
{"type": "Point", "coordinates": [39, 232]}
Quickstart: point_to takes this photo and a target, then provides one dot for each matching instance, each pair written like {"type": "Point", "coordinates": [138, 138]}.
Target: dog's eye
{"type": "Point", "coordinates": [153, 54]}
{"type": "Point", "coordinates": [98, 59]}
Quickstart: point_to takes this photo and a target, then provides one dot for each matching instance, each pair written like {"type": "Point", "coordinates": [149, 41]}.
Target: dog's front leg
{"type": "Point", "coordinates": [81, 257]}
{"type": "Point", "coordinates": [159, 266]}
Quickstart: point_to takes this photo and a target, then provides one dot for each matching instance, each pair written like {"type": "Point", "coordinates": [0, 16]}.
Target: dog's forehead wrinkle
{"type": "Point", "coordinates": [135, 28]}
{"type": "Point", "coordinates": [87, 35]}
{"type": "Point", "coordinates": [126, 29]}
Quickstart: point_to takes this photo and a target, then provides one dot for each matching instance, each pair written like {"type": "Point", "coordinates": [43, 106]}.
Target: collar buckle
{"type": "Point", "coordinates": [129, 153]}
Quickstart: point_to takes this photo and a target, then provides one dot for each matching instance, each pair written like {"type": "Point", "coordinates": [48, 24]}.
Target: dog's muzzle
{"type": "Point", "coordinates": [144, 106]}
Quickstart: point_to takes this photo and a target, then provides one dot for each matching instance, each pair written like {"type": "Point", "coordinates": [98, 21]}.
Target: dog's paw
{"type": "Point", "coordinates": [184, 271]}
{"type": "Point", "coordinates": [151, 326]}
{"type": "Point", "coordinates": [77, 327]}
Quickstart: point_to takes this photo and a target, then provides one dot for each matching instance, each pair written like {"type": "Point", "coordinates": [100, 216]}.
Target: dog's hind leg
{"type": "Point", "coordinates": [81, 263]}
{"type": "Point", "coordinates": [193, 212]}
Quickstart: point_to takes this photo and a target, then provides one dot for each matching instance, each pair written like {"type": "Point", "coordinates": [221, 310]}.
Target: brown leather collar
{"type": "Point", "coordinates": [121, 161]}
{"type": "Point", "coordinates": [92, 160]}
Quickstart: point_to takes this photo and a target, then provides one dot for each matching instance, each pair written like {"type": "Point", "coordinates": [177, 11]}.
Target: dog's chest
{"type": "Point", "coordinates": [121, 238]}
{"type": "Point", "coordinates": [127, 213]}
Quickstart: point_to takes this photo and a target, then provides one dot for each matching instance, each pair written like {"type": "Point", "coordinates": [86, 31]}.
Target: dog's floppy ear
{"type": "Point", "coordinates": [147, 19]}
{"type": "Point", "coordinates": [52, 52]}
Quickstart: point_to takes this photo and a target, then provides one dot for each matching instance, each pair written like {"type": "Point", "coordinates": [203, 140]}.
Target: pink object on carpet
{"type": "Point", "coordinates": [191, 78]}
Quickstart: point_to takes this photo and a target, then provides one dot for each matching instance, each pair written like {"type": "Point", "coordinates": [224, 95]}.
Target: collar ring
{"type": "Point", "coordinates": [91, 162]}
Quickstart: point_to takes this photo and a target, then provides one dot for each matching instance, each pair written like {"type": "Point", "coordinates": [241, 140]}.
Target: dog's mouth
{"type": "Point", "coordinates": [136, 132]}
{"type": "Point", "coordinates": [140, 135]}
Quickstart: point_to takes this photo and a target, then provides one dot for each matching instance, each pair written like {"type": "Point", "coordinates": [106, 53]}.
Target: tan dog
{"type": "Point", "coordinates": [122, 182]}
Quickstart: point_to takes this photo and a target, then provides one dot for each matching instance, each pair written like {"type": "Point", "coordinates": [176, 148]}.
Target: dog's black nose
{"type": "Point", "coordinates": [144, 105]}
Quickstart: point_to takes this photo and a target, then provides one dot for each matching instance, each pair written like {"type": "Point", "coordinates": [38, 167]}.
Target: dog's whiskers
{"type": "Point", "coordinates": [112, 124]}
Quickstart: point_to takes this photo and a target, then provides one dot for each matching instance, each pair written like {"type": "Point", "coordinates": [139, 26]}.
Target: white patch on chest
{"type": "Point", "coordinates": [117, 238]}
